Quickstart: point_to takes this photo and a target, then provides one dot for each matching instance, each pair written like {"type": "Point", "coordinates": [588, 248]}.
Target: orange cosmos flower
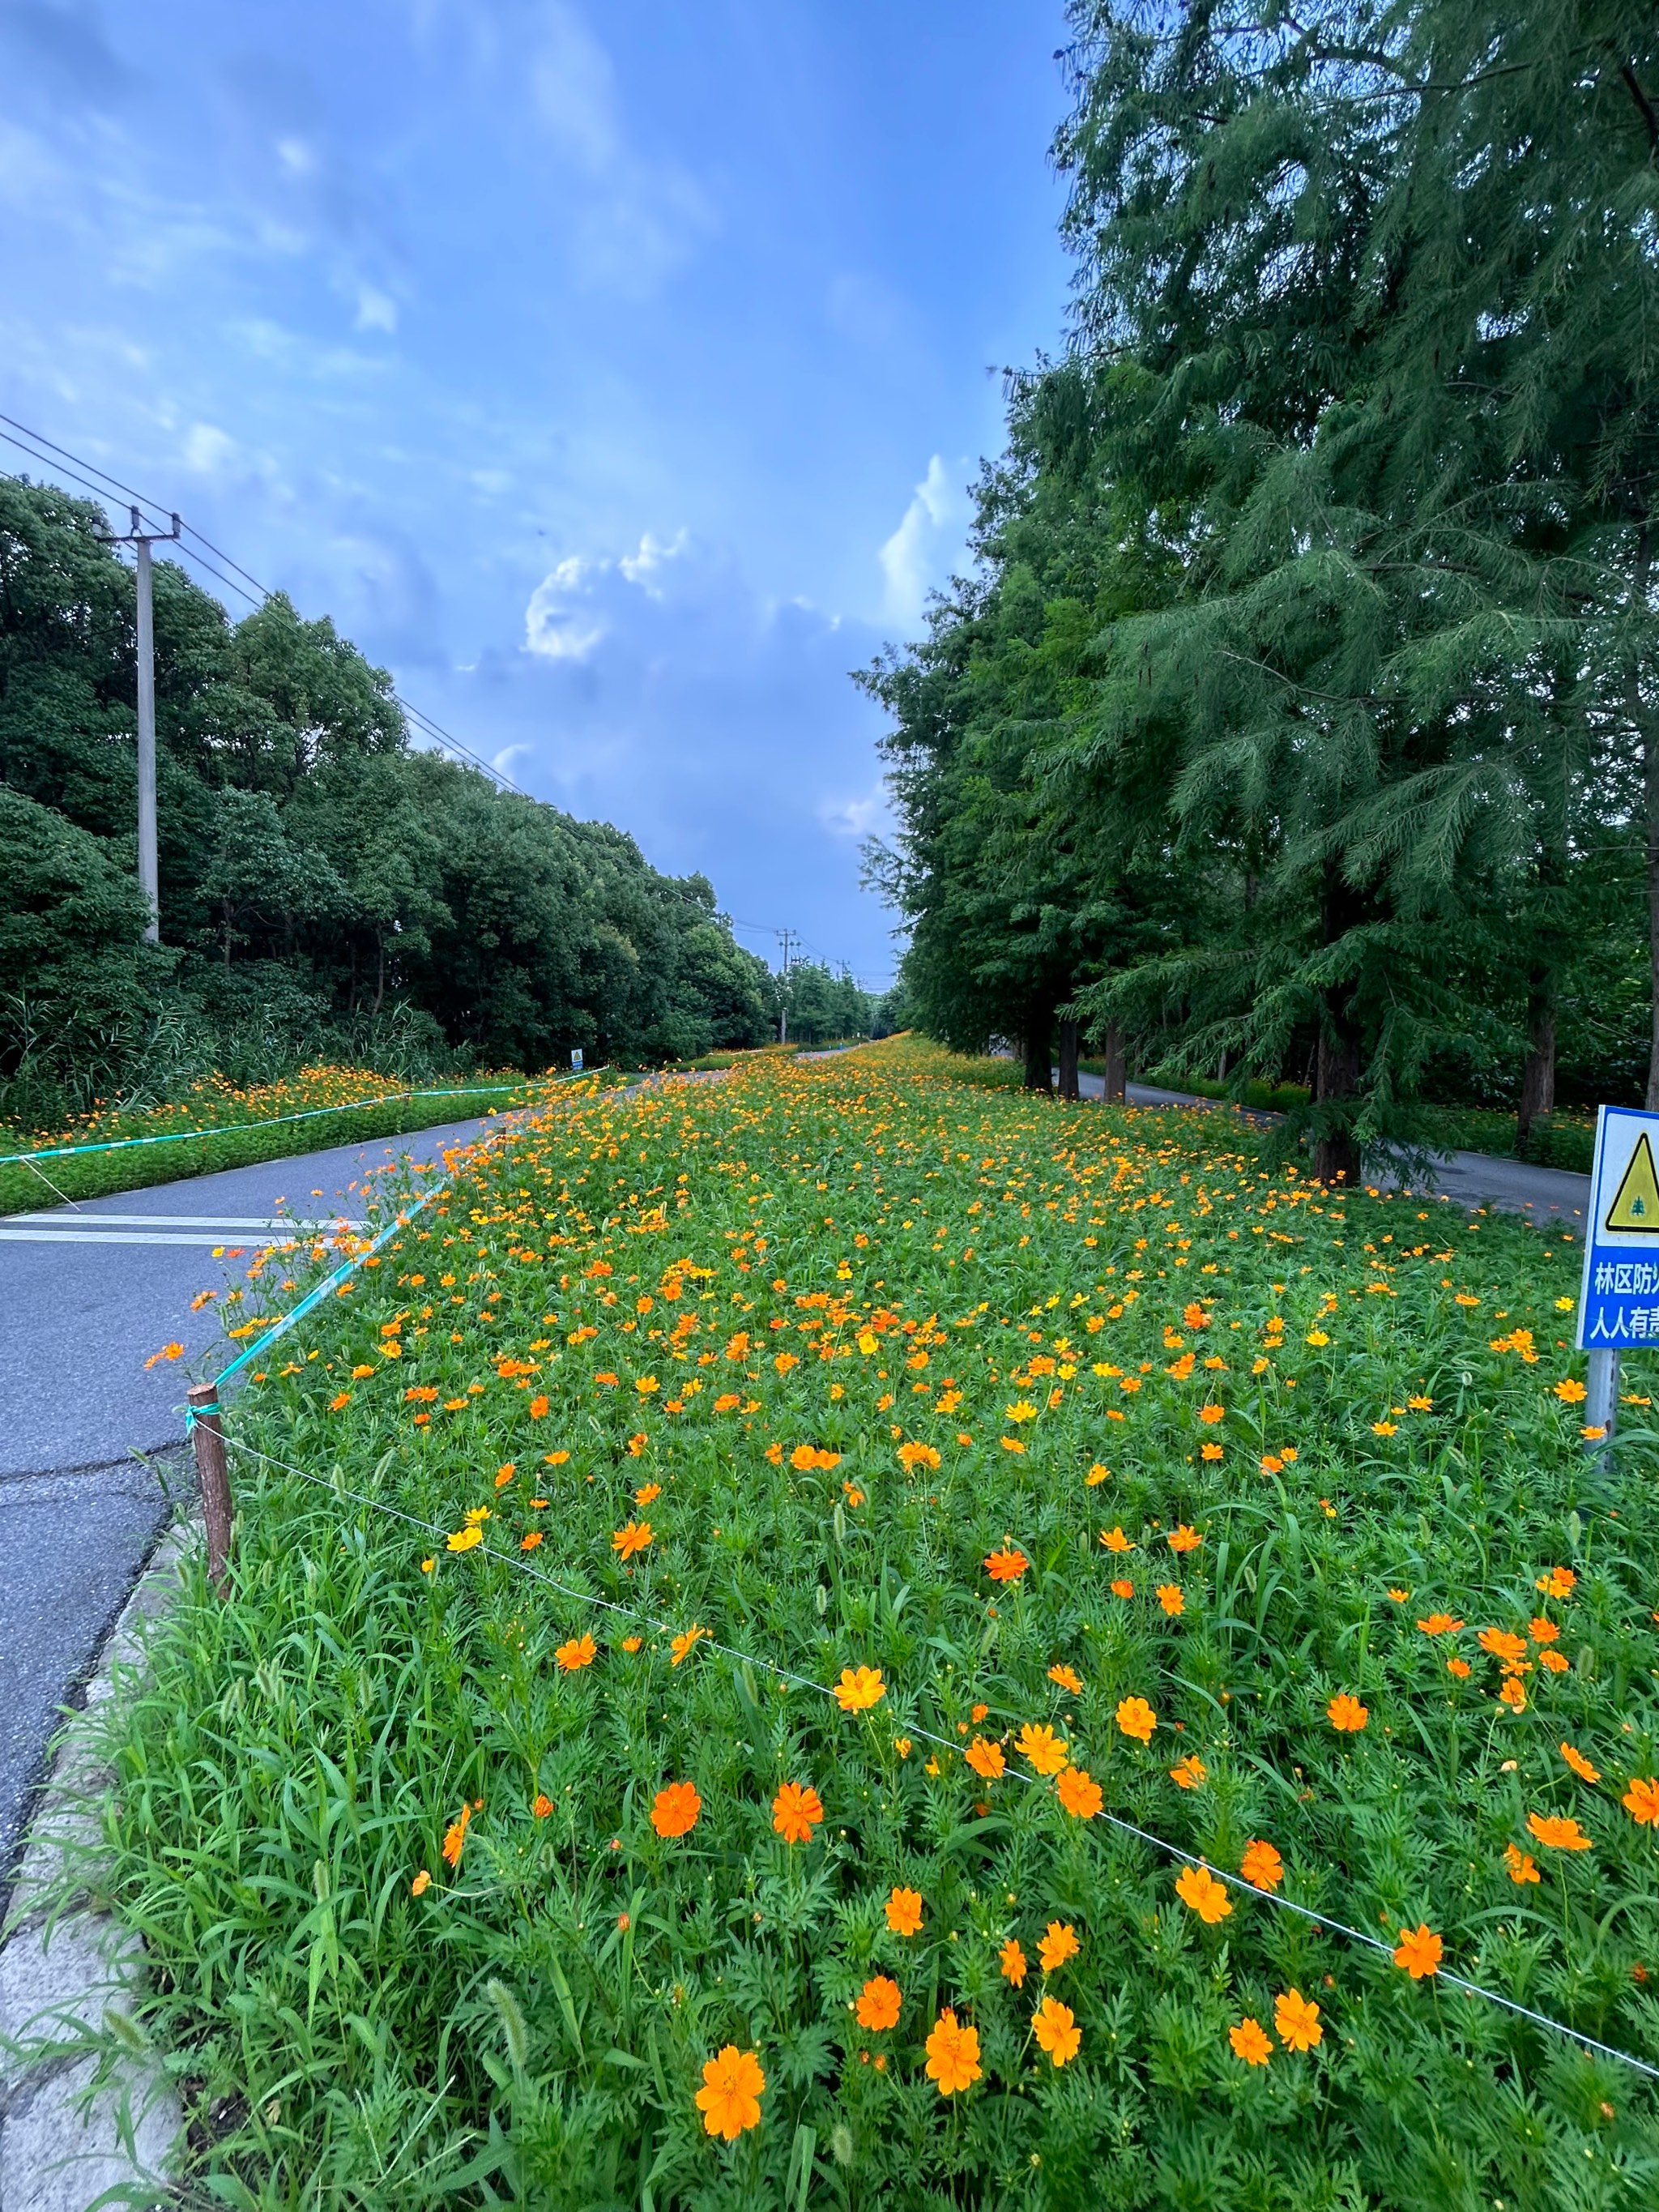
{"type": "Point", "coordinates": [1296, 2019]}
{"type": "Point", "coordinates": [1006, 1566]}
{"type": "Point", "coordinates": [1543, 1631]}
{"type": "Point", "coordinates": [1067, 1680]}
{"type": "Point", "coordinates": [1210, 1414]}
{"type": "Point", "coordinates": [538, 1408]}
{"type": "Point", "coordinates": [1580, 1765]}
{"type": "Point", "coordinates": [580, 1651]}
{"type": "Point", "coordinates": [1184, 1539]}
{"type": "Point", "coordinates": [421, 1884]}
{"type": "Point", "coordinates": [1439, 1623]}
{"type": "Point", "coordinates": [1098, 1474]}
{"type": "Point", "coordinates": [1347, 1715]}
{"type": "Point", "coordinates": [1059, 1944]}
{"type": "Point", "coordinates": [858, 1688]}
{"type": "Point", "coordinates": [1191, 1772]}
{"type": "Point", "coordinates": [1197, 1886]}
{"type": "Point", "coordinates": [1121, 1588]}
{"type": "Point", "coordinates": [1251, 2042]}
{"type": "Point", "coordinates": [1039, 1747]}
{"type": "Point", "coordinates": [1419, 1951]}
{"type": "Point", "coordinates": [171, 1352]}
{"type": "Point", "coordinates": [986, 1758]}
{"type": "Point", "coordinates": [530, 1542]}
{"type": "Point", "coordinates": [1012, 1961]}
{"type": "Point", "coordinates": [913, 1456]}
{"type": "Point", "coordinates": [1136, 1719]}
{"type": "Point", "coordinates": [1522, 1867]}
{"type": "Point", "coordinates": [727, 1402]}
{"type": "Point", "coordinates": [681, 1647]}
{"type": "Point", "coordinates": [632, 1538]}
{"type": "Point", "coordinates": [1079, 1793]}
{"type": "Point", "coordinates": [1011, 1443]}
{"type": "Point", "coordinates": [674, 1810]}
{"type": "Point", "coordinates": [455, 1837]}
{"type": "Point", "coordinates": [1571, 1392]}
{"type": "Point", "coordinates": [1554, 1663]}
{"type": "Point", "coordinates": [878, 2003]}
{"type": "Point", "coordinates": [729, 2099]}
{"type": "Point", "coordinates": [1513, 1693]}
{"type": "Point", "coordinates": [1561, 1835]}
{"type": "Point", "coordinates": [1261, 1866]}
{"type": "Point", "coordinates": [1210, 1451]}
{"type": "Point", "coordinates": [1115, 1541]}
{"type": "Point", "coordinates": [1460, 1668]}
{"type": "Point", "coordinates": [335, 1404]}
{"type": "Point", "coordinates": [1194, 1317]}
{"type": "Point", "coordinates": [952, 2055]}
{"type": "Point", "coordinates": [903, 1910]}
{"type": "Point", "coordinates": [796, 1811]}
{"type": "Point", "coordinates": [1055, 2025]}
{"type": "Point", "coordinates": [1503, 1646]}
{"type": "Point", "coordinates": [647, 1493]}
{"type": "Point", "coordinates": [1169, 1597]}
{"type": "Point", "coordinates": [543, 1805]}
{"type": "Point", "coordinates": [1557, 1582]}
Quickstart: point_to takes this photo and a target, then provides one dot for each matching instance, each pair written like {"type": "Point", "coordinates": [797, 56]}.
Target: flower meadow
{"type": "Point", "coordinates": [239, 1126]}
{"type": "Point", "coordinates": [796, 1638]}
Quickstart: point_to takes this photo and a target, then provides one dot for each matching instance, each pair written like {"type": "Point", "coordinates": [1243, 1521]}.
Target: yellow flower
{"type": "Point", "coordinates": [858, 1688]}
{"type": "Point", "coordinates": [1055, 2028]}
{"type": "Point", "coordinates": [464, 1539]}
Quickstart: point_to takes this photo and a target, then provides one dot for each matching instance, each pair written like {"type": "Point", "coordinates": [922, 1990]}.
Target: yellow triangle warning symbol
{"type": "Point", "coordinates": [1635, 1203]}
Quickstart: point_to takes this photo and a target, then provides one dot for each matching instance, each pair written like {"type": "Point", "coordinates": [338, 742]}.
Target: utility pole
{"type": "Point", "coordinates": [148, 876]}
{"type": "Point", "coordinates": [783, 1002]}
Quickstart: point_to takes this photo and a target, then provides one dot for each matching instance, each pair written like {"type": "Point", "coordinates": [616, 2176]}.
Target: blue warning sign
{"type": "Point", "coordinates": [1619, 1302]}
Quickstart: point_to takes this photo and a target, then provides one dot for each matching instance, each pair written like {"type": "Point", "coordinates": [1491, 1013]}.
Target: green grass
{"type": "Point", "coordinates": [815, 1307]}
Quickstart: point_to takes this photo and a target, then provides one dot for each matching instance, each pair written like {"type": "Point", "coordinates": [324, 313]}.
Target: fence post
{"type": "Point", "coordinates": [1601, 1406]}
{"type": "Point", "coordinates": [214, 1477]}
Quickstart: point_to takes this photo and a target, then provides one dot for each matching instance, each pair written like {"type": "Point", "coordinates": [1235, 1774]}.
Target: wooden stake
{"type": "Point", "coordinates": [214, 1476]}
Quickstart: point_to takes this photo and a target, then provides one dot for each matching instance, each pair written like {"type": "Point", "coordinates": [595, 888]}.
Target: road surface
{"type": "Point", "coordinates": [89, 1437]}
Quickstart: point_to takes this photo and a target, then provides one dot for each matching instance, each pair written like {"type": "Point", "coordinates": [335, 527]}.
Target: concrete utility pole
{"type": "Point", "coordinates": [148, 876]}
{"type": "Point", "coordinates": [783, 1002]}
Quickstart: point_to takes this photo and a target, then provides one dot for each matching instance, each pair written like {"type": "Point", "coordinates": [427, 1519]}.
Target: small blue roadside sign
{"type": "Point", "coordinates": [1619, 1302]}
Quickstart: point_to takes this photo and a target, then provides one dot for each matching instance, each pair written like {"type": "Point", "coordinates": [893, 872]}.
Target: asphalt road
{"type": "Point", "coordinates": [1472, 1179]}
{"type": "Point", "coordinates": [89, 1435]}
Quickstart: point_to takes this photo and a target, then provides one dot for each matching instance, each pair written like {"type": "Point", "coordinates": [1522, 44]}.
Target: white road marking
{"type": "Point", "coordinates": [213, 1239]}
{"type": "Point", "coordinates": [294, 1225]}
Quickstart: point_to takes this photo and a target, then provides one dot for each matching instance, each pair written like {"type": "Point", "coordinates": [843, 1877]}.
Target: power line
{"type": "Point", "coordinates": [56, 458]}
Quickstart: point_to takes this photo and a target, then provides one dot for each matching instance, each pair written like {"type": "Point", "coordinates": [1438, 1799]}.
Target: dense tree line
{"type": "Point", "coordinates": [1298, 717]}
{"type": "Point", "coordinates": [324, 886]}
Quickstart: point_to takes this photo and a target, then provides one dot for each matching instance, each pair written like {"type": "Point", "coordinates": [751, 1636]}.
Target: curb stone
{"type": "Point", "coordinates": [79, 2125]}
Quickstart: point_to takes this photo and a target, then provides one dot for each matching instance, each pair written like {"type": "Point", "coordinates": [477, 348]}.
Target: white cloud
{"type": "Point", "coordinates": [504, 762]}
{"type": "Point", "coordinates": [856, 817]}
{"type": "Point", "coordinates": [573, 83]}
{"type": "Point", "coordinates": [641, 567]}
{"type": "Point", "coordinates": [565, 619]}
{"type": "Point", "coordinates": [918, 552]}
{"type": "Point", "coordinates": [207, 450]}
{"type": "Point", "coordinates": [376, 310]}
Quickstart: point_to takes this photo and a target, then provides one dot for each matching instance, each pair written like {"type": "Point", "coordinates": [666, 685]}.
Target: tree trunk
{"type": "Point", "coordinates": [1538, 1078]}
{"type": "Point", "coordinates": [1068, 1085]}
{"type": "Point", "coordinates": [1336, 1076]}
{"type": "Point", "coordinates": [1337, 1061]}
{"type": "Point", "coordinates": [1039, 1062]}
{"type": "Point", "coordinates": [1112, 1052]}
{"type": "Point", "coordinates": [380, 972]}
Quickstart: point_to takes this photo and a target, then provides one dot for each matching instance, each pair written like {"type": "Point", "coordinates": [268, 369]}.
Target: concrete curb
{"type": "Point", "coordinates": [80, 2124]}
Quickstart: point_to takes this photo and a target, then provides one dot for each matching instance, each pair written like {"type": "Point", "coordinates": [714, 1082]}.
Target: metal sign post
{"type": "Point", "coordinates": [1618, 1296]}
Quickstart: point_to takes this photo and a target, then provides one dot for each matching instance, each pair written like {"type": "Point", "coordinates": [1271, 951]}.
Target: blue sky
{"type": "Point", "coordinates": [611, 374]}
